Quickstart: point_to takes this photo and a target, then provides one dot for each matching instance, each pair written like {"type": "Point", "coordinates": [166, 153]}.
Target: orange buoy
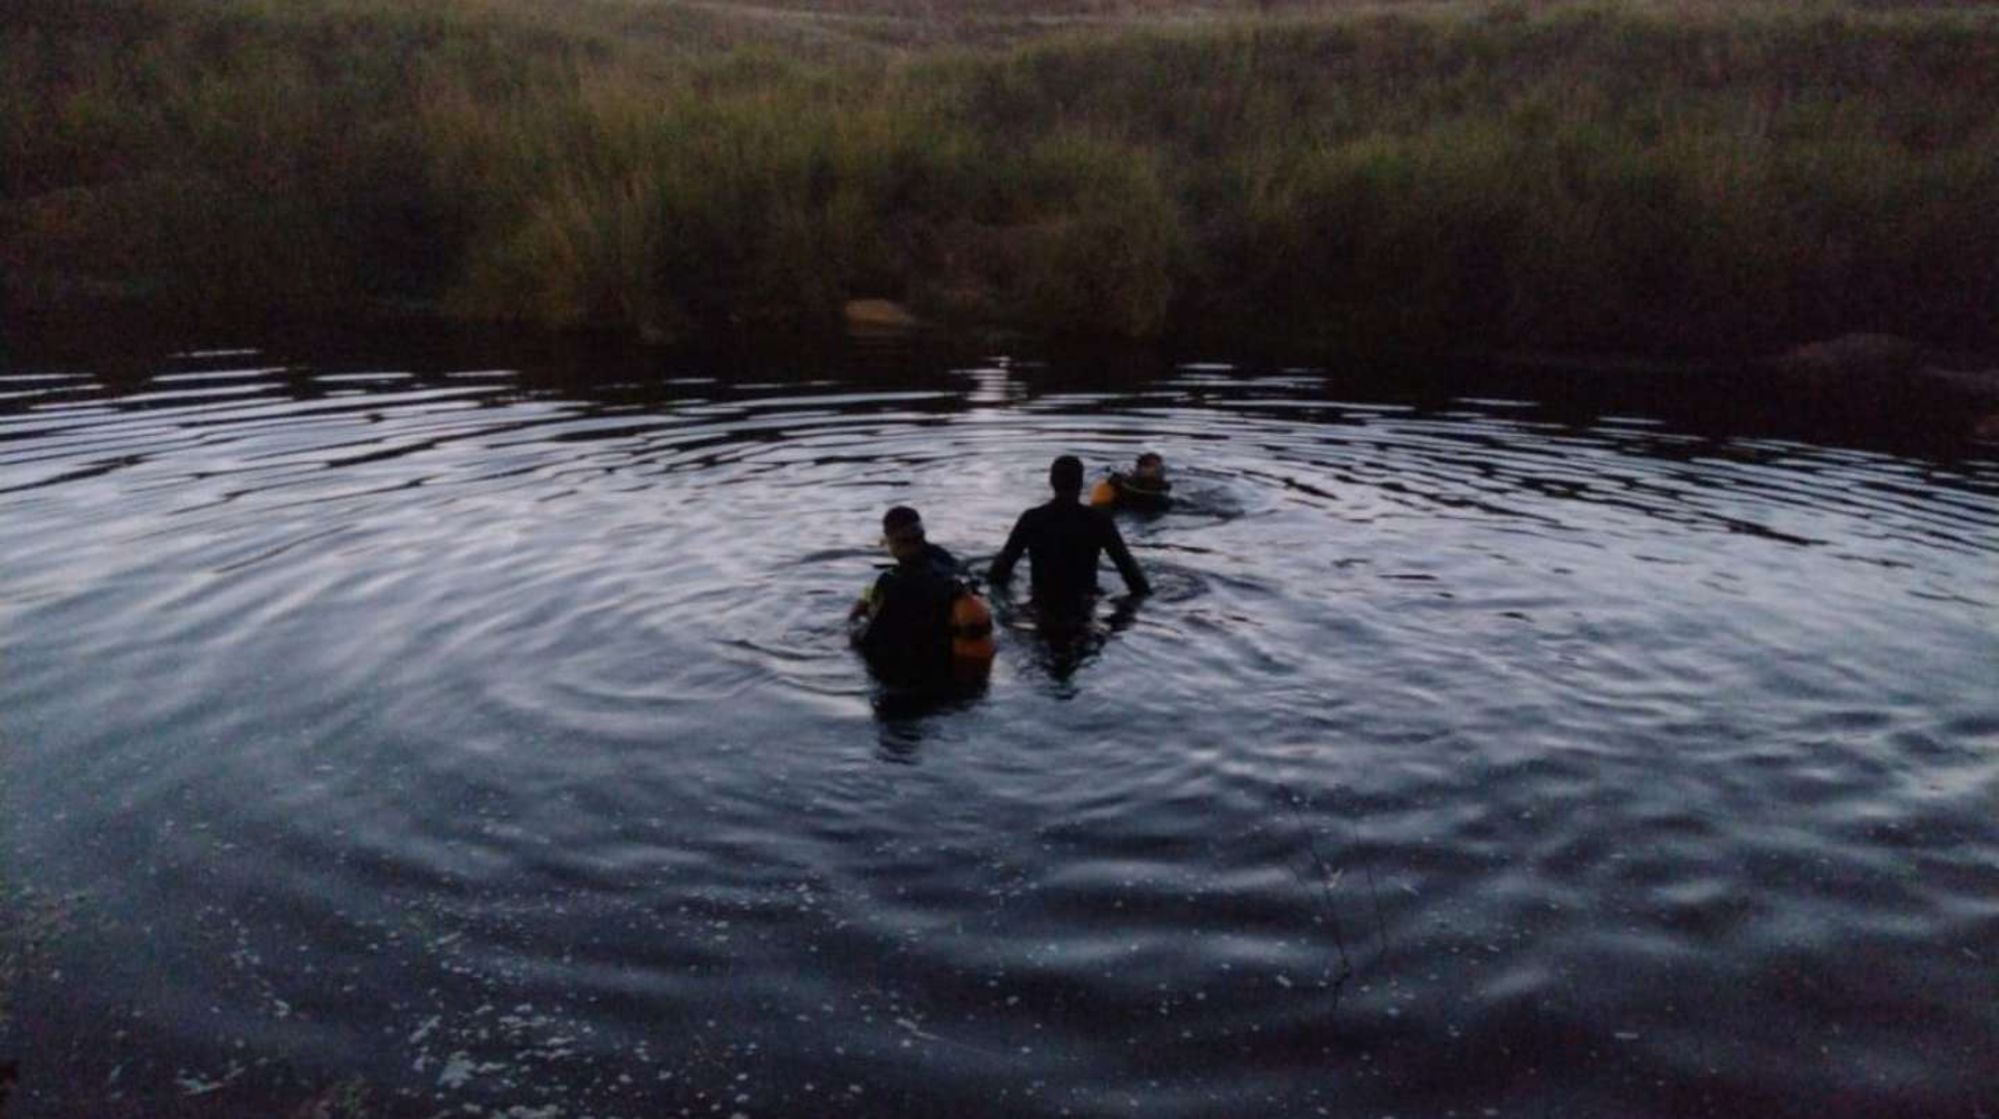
{"type": "Point", "coordinates": [1104, 493]}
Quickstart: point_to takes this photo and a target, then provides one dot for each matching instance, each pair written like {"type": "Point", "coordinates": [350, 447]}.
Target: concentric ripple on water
{"type": "Point", "coordinates": [490, 736]}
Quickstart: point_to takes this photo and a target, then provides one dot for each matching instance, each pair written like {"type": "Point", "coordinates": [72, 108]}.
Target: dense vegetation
{"type": "Point", "coordinates": [1607, 176]}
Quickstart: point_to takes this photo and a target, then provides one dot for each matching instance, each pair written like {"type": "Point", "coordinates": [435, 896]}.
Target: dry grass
{"type": "Point", "coordinates": [1686, 177]}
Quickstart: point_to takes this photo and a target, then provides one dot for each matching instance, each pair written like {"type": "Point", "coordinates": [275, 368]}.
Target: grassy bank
{"type": "Point", "coordinates": [1632, 177]}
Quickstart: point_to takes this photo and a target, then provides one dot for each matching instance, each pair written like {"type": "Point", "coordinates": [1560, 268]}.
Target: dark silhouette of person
{"type": "Point", "coordinates": [1062, 540]}
{"type": "Point", "coordinates": [903, 624]}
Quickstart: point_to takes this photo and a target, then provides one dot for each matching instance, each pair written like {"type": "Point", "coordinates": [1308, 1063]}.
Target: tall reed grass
{"type": "Point", "coordinates": [1553, 176]}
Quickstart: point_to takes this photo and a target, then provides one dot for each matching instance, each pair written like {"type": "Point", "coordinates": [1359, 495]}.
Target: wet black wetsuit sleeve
{"type": "Point", "coordinates": [1016, 543]}
{"type": "Point", "coordinates": [1113, 540]}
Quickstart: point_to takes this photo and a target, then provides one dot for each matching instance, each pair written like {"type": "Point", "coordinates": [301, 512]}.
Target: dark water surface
{"type": "Point", "coordinates": [485, 731]}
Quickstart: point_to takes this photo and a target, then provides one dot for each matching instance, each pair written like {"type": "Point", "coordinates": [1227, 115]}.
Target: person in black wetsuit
{"type": "Point", "coordinates": [903, 623]}
{"type": "Point", "coordinates": [1063, 539]}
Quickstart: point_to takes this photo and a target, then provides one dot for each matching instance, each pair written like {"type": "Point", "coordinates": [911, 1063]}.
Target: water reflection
{"type": "Point", "coordinates": [482, 725]}
{"type": "Point", "coordinates": [907, 715]}
{"type": "Point", "coordinates": [1064, 636]}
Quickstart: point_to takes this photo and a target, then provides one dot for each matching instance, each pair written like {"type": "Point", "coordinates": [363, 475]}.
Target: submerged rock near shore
{"type": "Point", "coordinates": [879, 316]}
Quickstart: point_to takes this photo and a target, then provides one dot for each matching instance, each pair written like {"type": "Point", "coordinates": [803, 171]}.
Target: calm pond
{"type": "Point", "coordinates": [479, 735]}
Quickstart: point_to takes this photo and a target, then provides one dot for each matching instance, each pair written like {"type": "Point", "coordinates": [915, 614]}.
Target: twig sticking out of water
{"type": "Point", "coordinates": [1380, 926]}
{"type": "Point", "coordinates": [1328, 877]}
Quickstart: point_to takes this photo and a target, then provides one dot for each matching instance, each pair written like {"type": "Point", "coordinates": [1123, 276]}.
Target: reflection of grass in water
{"type": "Point", "coordinates": [1601, 175]}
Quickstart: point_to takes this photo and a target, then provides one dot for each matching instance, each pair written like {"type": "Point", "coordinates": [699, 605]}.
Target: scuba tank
{"type": "Point", "coordinates": [971, 634]}
{"type": "Point", "coordinates": [1128, 490]}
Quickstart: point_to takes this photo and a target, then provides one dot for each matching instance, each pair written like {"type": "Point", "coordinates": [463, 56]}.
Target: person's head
{"type": "Point", "coordinates": [902, 531]}
{"type": "Point", "coordinates": [1065, 476]}
{"type": "Point", "coordinates": [1149, 467]}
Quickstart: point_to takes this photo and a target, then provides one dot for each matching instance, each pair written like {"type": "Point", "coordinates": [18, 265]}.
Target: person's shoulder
{"type": "Point", "coordinates": [1102, 522]}
{"type": "Point", "coordinates": [884, 588]}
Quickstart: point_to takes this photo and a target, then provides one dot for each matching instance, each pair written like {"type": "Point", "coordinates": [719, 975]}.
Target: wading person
{"type": "Point", "coordinates": [920, 623]}
{"type": "Point", "coordinates": [1062, 540]}
{"type": "Point", "coordinates": [1145, 488]}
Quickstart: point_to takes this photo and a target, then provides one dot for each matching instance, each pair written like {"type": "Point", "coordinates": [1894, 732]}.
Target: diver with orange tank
{"type": "Point", "coordinates": [1144, 489]}
{"type": "Point", "coordinates": [922, 622]}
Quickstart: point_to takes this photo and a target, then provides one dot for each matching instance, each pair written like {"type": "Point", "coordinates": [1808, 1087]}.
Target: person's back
{"type": "Point", "coordinates": [1063, 540]}
{"type": "Point", "coordinates": [920, 624]}
{"type": "Point", "coordinates": [909, 624]}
